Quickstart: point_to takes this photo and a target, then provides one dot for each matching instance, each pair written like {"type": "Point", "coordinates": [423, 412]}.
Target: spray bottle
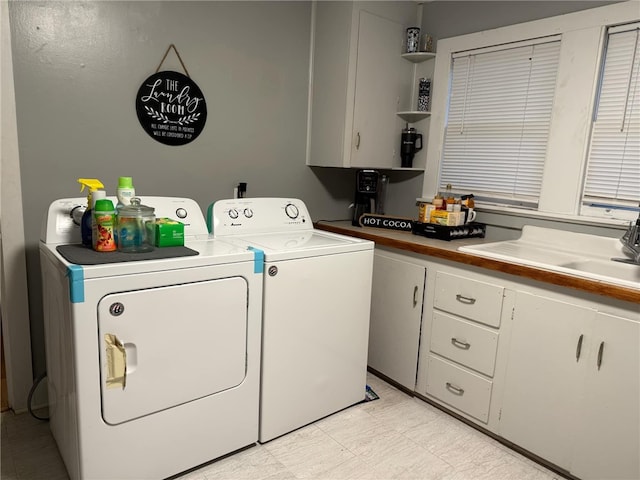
{"type": "Point", "coordinates": [92, 184]}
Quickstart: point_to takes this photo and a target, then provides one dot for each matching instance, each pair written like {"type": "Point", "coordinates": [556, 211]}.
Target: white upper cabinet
{"type": "Point", "coordinates": [359, 83]}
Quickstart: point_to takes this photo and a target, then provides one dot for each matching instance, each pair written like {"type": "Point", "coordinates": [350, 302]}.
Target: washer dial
{"type": "Point", "coordinates": [292, 211]}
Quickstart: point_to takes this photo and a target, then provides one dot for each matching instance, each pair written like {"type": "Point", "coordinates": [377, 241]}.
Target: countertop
{"type": "Point", "coordinates": [448, 250]}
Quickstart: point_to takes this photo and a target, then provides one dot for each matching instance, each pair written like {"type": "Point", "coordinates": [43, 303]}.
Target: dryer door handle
{"type": "Point", "coordinates": [116, 361]}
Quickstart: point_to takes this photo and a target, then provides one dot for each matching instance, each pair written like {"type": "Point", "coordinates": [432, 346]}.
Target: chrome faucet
{"type": "Point", "coordinates": [631, 243]}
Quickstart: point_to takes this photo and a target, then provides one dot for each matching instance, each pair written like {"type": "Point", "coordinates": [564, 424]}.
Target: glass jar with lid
{"type": "Point", "coordinates": [136, 227]}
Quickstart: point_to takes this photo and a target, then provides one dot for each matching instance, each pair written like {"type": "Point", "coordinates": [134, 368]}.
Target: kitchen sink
{"type": "Point", "coordinates": [578, 254]}
{"type": "Point", "coordinates": [607, 268]}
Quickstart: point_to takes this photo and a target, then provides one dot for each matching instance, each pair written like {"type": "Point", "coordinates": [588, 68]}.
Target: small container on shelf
{"type": "Point", "coordinates": [426, 43]}
{"type": "Point", "coordinates": [424, 95]}
{"type": "Point", "coordinates": [413, 39]}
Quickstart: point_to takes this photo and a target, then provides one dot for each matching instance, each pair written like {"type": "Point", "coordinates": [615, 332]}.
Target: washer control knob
{"type": "Point", "coordinates": [248, 212]}
{"type": "Point", "coordinates": [233, 213]}
{"type": "Point", "coordinates": [292, 211]}
{"type": "Point", "coordinates": [181, 213]}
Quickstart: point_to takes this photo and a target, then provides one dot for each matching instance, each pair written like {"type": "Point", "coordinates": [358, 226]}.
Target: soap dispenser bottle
{"type": "Point", "coordinates": [93, 184]}
{"type": "Point", "coordinates": [125, 192]}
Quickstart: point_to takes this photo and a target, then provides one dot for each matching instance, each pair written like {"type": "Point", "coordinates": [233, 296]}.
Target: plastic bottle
{"type": "Point", "coordinates": [438, 202]}
{"type": "Point", "coordinates": [105, 225]}
{"type": "Point", "coordinates": [125, 192]}
{"type": "Point", "coordinates": [449, 198]}
{"type": "Point", "coordinates": [92, 184]}
{"type": "Point", "coordinates": [95, 196]}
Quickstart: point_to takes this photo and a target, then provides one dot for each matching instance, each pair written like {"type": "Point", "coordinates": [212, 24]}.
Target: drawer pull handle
{"type": "Point", "coordinates": [358, 141]}
{"type": "Point", "coordinates": [467, 300]}
{"type": "Point", "coordinates": [600, 352]}
{"type": "Point", "coordinates": [460, 344]}
{"type": "Point", "coordinates": [415, 294]}
{"type": "Point", "coordinates": [579, 347]}
{"type": "Point", "coordinates": [453, 389]}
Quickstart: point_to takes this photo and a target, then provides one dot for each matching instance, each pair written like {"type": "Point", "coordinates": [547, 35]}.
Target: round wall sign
{"type": "Point", "coordinates": [171, 108]}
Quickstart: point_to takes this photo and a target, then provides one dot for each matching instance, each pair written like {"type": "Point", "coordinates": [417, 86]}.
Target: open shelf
{"type": "Point", "coordinates": [413, 116]}
{"type": "Point", "coordinates": [418, 57]}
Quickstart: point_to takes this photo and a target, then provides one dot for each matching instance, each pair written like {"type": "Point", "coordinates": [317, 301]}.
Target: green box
{"type": "Point", "coordinates": [169, 233]}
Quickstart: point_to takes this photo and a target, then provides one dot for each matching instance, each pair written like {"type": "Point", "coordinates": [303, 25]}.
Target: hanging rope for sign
{"type": "Point", "coordinates": [171, 107]}
{"type": "Point", "coordinates": [179, 58]}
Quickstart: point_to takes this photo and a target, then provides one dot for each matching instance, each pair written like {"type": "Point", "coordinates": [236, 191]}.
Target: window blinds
{"type": "Point", "coordinates": [498, 120]}
{"type": "Point", "coordinates": [613, 168]}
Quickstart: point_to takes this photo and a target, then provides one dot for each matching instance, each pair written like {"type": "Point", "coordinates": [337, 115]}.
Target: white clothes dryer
{"type": "Point", "coordinates": [153, 365]}
{"type": "Point", "coordinates": [317, 296]}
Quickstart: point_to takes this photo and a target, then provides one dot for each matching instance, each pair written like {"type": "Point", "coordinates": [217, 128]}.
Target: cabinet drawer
{"type": "Point", "coordinates": [468, 298]}
{"type": "Point", "coordinates": [459, 388]}
{"type": "Point", "coordinates": [464, 342]}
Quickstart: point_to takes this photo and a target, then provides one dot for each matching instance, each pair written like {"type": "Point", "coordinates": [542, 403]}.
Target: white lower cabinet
{"type": "Point", "coordinates": [553, 371]}
{"type": "Point", "coordinates": [464, 342]}
{"type": "Point", "coordinates": [544, 375]}
{"type": "Point", "coordinates": [607, 441]}
{"type": "Point", "coordinates": [396, 316]}
{"type": "Point", "coordinates": [571, 390]}
{"type": "Point", "coordinates": [460, 388]}
{"type": "Point", "coordinates": [460, 341]}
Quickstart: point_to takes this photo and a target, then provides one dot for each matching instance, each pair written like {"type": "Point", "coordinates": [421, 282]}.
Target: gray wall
{"type": "Point", "coordinates": [78, 66]}
{"type": "Point", "coordinates": [448, 18]}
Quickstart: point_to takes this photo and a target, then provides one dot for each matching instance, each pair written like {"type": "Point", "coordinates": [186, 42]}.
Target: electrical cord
{"type": "Point", "coordinates": [36, 382]}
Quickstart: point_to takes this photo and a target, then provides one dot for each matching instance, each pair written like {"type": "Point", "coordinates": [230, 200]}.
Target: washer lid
{"type": "Point", "coordinates": [286, 246]}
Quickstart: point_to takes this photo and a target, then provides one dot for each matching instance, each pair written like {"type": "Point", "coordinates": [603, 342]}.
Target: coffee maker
{"type": "Point", "coordinates": [367, 194]}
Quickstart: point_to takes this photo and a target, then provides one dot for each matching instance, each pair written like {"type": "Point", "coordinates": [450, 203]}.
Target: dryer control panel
{"type": "Point", "coordinates": [59, 225]}
{"type": "Point", "coordinates": [242, 216]}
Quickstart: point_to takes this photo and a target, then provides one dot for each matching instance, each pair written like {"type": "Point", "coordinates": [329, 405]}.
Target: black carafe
{"type": "Point", "coordinates": [411, 143]}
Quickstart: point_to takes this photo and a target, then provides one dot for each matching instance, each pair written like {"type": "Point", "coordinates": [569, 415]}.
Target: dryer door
{"type": "Point", "coordinates": [163, 347]}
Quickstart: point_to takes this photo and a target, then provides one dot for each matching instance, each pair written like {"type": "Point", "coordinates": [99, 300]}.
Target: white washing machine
{"type": "Point", "coordinates": [153, 366]}
{"type": "Point", "coordinates": [317, 295]}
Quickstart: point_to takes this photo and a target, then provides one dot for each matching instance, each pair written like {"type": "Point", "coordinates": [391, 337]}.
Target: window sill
{"type": "Point", "coordinates": [575, 219]}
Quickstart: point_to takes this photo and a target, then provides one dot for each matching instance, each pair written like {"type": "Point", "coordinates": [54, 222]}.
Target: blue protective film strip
{"type": "Point", "coordinates": [258, 259]}
{"type": "Point", "coordinates": [76, 283]}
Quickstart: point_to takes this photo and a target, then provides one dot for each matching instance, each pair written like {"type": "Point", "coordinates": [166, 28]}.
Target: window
{"type": "Point", "coordinates": [613, 169]}
{"type": "Point", "coordinates": [498, 121]}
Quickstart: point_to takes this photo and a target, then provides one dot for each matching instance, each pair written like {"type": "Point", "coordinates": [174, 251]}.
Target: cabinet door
{"type": "Point", "coordinates": [383, 87]}
{"type": "Point", "coordinates": [396, 313]}
{"type": "Point", "coordinates": [608, 436]}
{"type": "Point", "coordinates": [545, 371]}
{"type": "Point", "coordinates": [329, 85]}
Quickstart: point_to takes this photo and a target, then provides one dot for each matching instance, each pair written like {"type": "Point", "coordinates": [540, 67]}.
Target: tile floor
{"type": "Point", "coordinates": [394, 437]}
